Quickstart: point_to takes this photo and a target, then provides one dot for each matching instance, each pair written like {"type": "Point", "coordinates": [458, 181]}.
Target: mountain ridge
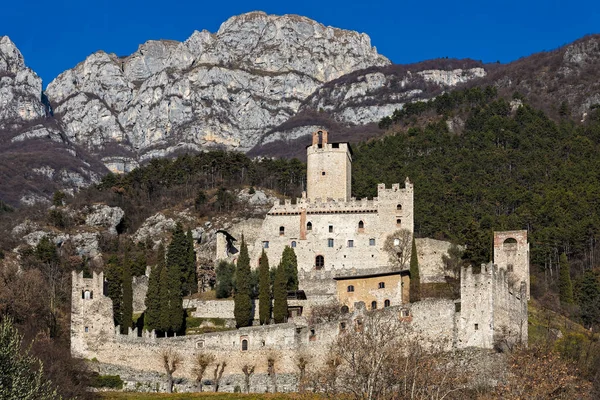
{"type": "Point", "coordinates": [260, 84]}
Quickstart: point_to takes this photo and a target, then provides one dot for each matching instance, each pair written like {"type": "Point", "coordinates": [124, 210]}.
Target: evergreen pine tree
{"type": "Point", "coordinates": [164, 320]}
{"type": "Point", "coordinates": [280, 307]}
{"type": "Point", "coordinates": [415, 279]}
{"type": "Point", "coordinates": [290, 263]}
{"type": "Point", "coordinates": [241, 299]}
{"type": "Point", "coordinates": [127, 306]}
{"type": "Point", "coordinates": [114, 283]}
{"type": "Point", "coordinates": [565, 287]}
{"type": "Point", "coordinates": [264, 290]}
{"type": "Point", "coordinates": [153, 300]}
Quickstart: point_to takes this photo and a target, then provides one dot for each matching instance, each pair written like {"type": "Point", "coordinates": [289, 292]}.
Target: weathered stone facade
{"type": "Point", "coordinates": [511, 253]}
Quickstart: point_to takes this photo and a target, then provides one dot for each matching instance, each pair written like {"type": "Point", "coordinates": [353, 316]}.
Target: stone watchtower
{"type": "Point", "coordinates": [511, 253]}
{"type": "Point", "coordinates": [91, 314]}
{"type": "Point", "coordinates": [328, 169]}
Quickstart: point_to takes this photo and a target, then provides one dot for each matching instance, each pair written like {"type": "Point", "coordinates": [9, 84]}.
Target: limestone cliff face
{"type": "Point", "coordinates": [35, 157]}
{"type": "Point", "coordinates": [222, 89]}
{"type": "Point", "coordinates": [20, 88]}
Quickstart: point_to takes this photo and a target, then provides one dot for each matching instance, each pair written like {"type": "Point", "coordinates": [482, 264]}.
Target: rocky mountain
{"type": "Point", "coordinates": [222, 89]}
{"type": "Point", "coordinates": [260, 84]}
{"type": "Point", "coordinates": [36, 158]}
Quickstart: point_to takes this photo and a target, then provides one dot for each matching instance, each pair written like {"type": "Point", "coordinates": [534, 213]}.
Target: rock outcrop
{"type": "Point", "coordinates": [223, 89]}
{"type": "Point", "coordinates": [35, 157]}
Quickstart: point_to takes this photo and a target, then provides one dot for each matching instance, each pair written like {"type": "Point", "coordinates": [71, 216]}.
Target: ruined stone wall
{"type": "Point", "coordinates": [429, 254]}
{"type": "Point", "coordinates": [492, 308]}
{"type": "Point", "coordinates": [140, 288]}
{"type": "Point", "coordinates": [91, 314]}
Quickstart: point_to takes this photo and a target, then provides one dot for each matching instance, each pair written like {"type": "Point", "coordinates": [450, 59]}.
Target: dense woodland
{"type": "Point", "coordinates": [480, 162]}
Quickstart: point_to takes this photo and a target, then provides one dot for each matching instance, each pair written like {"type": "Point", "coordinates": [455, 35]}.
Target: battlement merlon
{"type": "Point", "coordinates": [95, 283]}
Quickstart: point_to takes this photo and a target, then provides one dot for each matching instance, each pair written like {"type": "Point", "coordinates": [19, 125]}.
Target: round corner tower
{"type": "Point", "coordinates": [328, 169]}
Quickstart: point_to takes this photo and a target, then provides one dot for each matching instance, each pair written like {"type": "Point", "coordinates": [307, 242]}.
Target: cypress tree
{"type": "Point", "coordinates": [242, 304]}
{"type": "Point", "coordinates": [280, 307]}
{"type": "Point", "coordinates": [175, 300]}
{"type": "Point", "coordinates": [178, 256]}
{"type": "Point", "coordinates": [565, 287]}
{"type": "Point", "coordinates": [290, 263]}
{"type": "Point", "coordinates": [264, 290]}
{"type": "Point", "coordinates": [415, 280]}
{"type": "Point", "coordinates": [153, 300]}
{"type": "Point", "coordinates": [114, 283]}
{"type": "Point", "coordinates": [164, 317]}
{"type": "Point", "coordinates": [224, 285]}
{"type": "Point", "coordinates": [127, 296]}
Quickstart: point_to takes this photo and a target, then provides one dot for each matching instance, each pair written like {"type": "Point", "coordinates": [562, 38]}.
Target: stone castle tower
{"type": "Point", "coordinates": [91, 313]}
{"type": "Point", "coordinates": [511, 253]}
{"type": "Point", "coordinates": [328, 169]}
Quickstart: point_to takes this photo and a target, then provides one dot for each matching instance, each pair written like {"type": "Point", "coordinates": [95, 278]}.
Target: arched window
{"type": "Point", "coordinates": [309, 226]}
{"type": "Point", "coordinates": [244, 345]}
{"type": "Point", "coordinates": [351, 288]}
{"type": "Point", "coordinates": [281, 231]}
{"type": "Point", "coordinates": [345, 310]}
{"type": "Point", "coordinates": [398, 222]}
{"type": "Point", "coordinates": [293, 243]}
{"type": "Point", "coordinates": [319, 262]}
{"type": "Point", "coordinates": [373, 305]}
{"type": "Point", "coordinates": [87, 295]}
{"type": "Point", "coordinates": [386, 303]}
{"type": "Point", "coordinates": [381, 285]}
{"type": "Point", "coordinates": [361, 226]}
{"type": "Point", "coordinates": [399, 207]}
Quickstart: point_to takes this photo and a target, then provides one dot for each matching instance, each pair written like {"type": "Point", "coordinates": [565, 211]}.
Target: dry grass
{"type": "Point", "coordinates": [209, 396]}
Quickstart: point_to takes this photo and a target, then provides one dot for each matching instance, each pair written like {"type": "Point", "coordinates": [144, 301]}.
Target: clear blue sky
{"type": "Point", "coordinates": [56, 35]}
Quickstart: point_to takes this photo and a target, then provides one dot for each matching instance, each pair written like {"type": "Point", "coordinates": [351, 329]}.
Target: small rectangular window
{"type": "Point", "coordinates": [350, 243]}
{"type": "Point", "coordinates": [335, 145]}
{"type": "Point", "coordinates": [265, 245]}
{"type": "Point", "coordinates": [371, 242]}
{"type": "Point", "coordinates": [456, 307]}
{"type": "Point", "coordinates": [86, 329]}
{"type": "Point", "coordinates": [329, 242]}
{"type": "Point", "coordinates": [476, 327]}
{"type": "Point", "coordinates": [331, 228]}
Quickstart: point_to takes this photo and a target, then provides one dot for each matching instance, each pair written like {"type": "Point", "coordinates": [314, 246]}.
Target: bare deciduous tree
{"type": "Point", "coordinates": [384, 360]}
{"type": "Point", "coordinates": [218, 374]}
{"type": "Point", "coordinates": [201, 361]}
{"type": "Point", "coordinates": [248, 370]}
{"type": "Point", "coordinates": [397, 246]}
{"type": "Point", "coordinates": [301, 363]}
{"type": "Point", "coordinates": [271, 371]}
{"type": "Point", "coordinates": [171, 361]}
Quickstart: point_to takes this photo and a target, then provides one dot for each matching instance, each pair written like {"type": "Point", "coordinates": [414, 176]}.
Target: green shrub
{"type": "Point", "coordinates": [107, 381]}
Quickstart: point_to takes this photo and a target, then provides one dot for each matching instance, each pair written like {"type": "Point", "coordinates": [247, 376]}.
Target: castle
{"type": "Point", "coordinates": [342, 259]}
